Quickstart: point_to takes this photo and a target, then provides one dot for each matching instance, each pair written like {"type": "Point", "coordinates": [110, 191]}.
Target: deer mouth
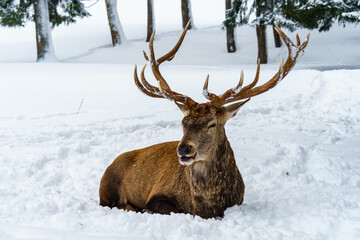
{"type": "Point", "coordinates": [187, 160]}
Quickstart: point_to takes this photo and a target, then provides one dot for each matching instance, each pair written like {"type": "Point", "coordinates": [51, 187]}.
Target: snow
{"type": "Point", "coordinates": [351, 14]}
{"type": "Point", "coordinates": [297, 146]}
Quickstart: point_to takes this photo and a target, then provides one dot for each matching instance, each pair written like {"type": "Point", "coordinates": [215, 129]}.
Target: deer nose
{"type": "Point", "coordinates": [184, 149]}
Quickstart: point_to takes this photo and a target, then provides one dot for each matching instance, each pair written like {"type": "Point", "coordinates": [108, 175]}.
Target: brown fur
{"type": "Point", "coordinates": [152, 179]}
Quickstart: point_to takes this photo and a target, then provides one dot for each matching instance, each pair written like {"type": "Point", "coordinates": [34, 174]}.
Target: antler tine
{"type": "Point", "coordinates": [205, 88]}
{"type": "Point", "coordinates": [250, 90]}
{"type": "Point", "coordinates": [142, 88]}
{"type": "Point", "coordinates": [285, 38]}
{"type": "Point", "coordinates": [232, 92]}
{"type": "Point", "coordinates": [145, 56]}
{"type": "Point", "coordinates": [155, 65]}
{"type": "Point", "coordinates": [256, 79]}
{"type": "Point", "coordinates": [171, 54]}
{"type": "Point", "coordinates": [241, 81]}
{"type": "Point", "coordinates": [164, 89]}
{"type": "Point", "coordinates": [294, 50]}
{"type": "Point", "coordinates": [297, 40]}
{"type": "Point", "coordinates": [152, 91]}
{"type": "Point", "coordinates": [151, 48]}
{"type": "Point", "coordinates": [290, 45]}
{"type": "Point", "coordinates": [206, 92]}
{"type": "Point", "coordinates": [146, 83]}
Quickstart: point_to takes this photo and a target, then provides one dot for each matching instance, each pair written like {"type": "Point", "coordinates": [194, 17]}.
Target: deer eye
{"type": "Point", "coordinates": [212, 125]}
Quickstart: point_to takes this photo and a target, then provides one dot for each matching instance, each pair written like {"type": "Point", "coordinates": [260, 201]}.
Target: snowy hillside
{"type": "Point", "coordinates": [297, 146]}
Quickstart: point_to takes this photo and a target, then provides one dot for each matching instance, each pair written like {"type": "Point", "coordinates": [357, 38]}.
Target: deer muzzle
{"type": "Point", "coordinates": [186, 153]}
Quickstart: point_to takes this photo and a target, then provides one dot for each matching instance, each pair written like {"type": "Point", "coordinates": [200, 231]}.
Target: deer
{"type": "Point", "coordinates": [197, 175]}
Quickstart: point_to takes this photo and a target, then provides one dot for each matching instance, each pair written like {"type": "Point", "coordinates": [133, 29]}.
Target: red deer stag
{"type": "Point", "coordinates": [198, 174]}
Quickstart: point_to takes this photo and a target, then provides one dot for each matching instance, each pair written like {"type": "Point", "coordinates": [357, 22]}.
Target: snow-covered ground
{"type": "Point", "coordinates": [297, 146]}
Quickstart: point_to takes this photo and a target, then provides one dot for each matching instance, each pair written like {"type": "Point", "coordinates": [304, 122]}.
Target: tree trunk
{"type": "Point", "coordinates": [44, 46]}
{"type": "Point", "coordinates": [277, 39]}
{"type": "Point", "coordinates": [186, 13]}
{"type": "Point", "coordinates": [230, 35]}
{"type": "Point", "coordinates": [150, 20]}
{"type": "Point", "coordinates": [261, 38]}
{"type": "Point", "coordinates": [117, 34]}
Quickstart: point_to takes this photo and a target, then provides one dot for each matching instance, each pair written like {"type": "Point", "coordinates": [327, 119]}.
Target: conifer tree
{"type": "Point", "coordinates": [292, 14]}
{"type": "Point", "coordinates": [44, 46]}
{"type": "Point", "coordinates": [45, 14]}
{"type": "Point", "coordinates": [266, 13]}
{"type": "Point", "coordinates": [230, 27]}
{"type": "Point", "coordinates": [321, 14]}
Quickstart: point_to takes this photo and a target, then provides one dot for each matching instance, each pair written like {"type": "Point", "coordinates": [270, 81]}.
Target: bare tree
{"type": "Point", "coordinates": [230, 35]}
{"type": "Point", "coordinates": [45, 49]}
{"type": "Point", "coordinates": [150, 19]}
{"type": "Point", "coordinates": [186, 14]}
{"type": "Point", "coordinates": [117, 33]}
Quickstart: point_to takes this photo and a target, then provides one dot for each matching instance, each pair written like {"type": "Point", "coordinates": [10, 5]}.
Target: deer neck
{"type": "Point", "coordinates": [209, 174]}
{"type": "Point", "coordinates": [213, 182]}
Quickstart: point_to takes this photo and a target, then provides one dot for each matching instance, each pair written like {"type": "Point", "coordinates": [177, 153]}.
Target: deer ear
{"type": "Point", "coordinates": [232, 109]}
{"type": "Point", "coordinates": [183, 108]}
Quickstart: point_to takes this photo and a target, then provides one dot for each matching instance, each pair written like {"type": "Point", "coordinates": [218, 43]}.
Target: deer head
{"type": "Point", "coordinates": [203, 123]}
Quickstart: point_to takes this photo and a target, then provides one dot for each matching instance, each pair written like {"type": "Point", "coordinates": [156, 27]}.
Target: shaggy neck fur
{"type": "Point", "coordinates": [212, 181]}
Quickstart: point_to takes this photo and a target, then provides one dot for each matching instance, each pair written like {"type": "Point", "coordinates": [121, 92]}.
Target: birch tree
{"type": "Point", "coordinates": [117, 33]}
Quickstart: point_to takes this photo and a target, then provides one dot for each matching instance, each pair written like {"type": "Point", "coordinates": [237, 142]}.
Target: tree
{"type": "Point", "coordinates": [261, 21]}
{"type": "Point", "coordinates": [321, 14]}
{"type": "Point", "coordinates": [186, 14]}
{"type": "Point", "coordinates": [46, 14]}
{"type": "Point", "coordinates": [150, 20]}
{"type": "Point", "coordinates": [237, 14]}
{"type": "Point", "coordinates": [230, 29]}
{"type": "Point", "coordinates": [117, 33]}
{"type": "Point", "coordinates": [292, 14]}
{"type": "Point", "coordinates": [273, 8]}
{"type": "Point", "coordinates": [267, 12]}
{"type": "Point", "coordinates": [44, 46]}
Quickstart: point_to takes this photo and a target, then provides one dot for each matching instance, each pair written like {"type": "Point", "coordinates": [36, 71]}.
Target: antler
{"type": "Point", "coordinates": [238, 93]}
{"type": "Point", "coordinates": [163, 91]}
